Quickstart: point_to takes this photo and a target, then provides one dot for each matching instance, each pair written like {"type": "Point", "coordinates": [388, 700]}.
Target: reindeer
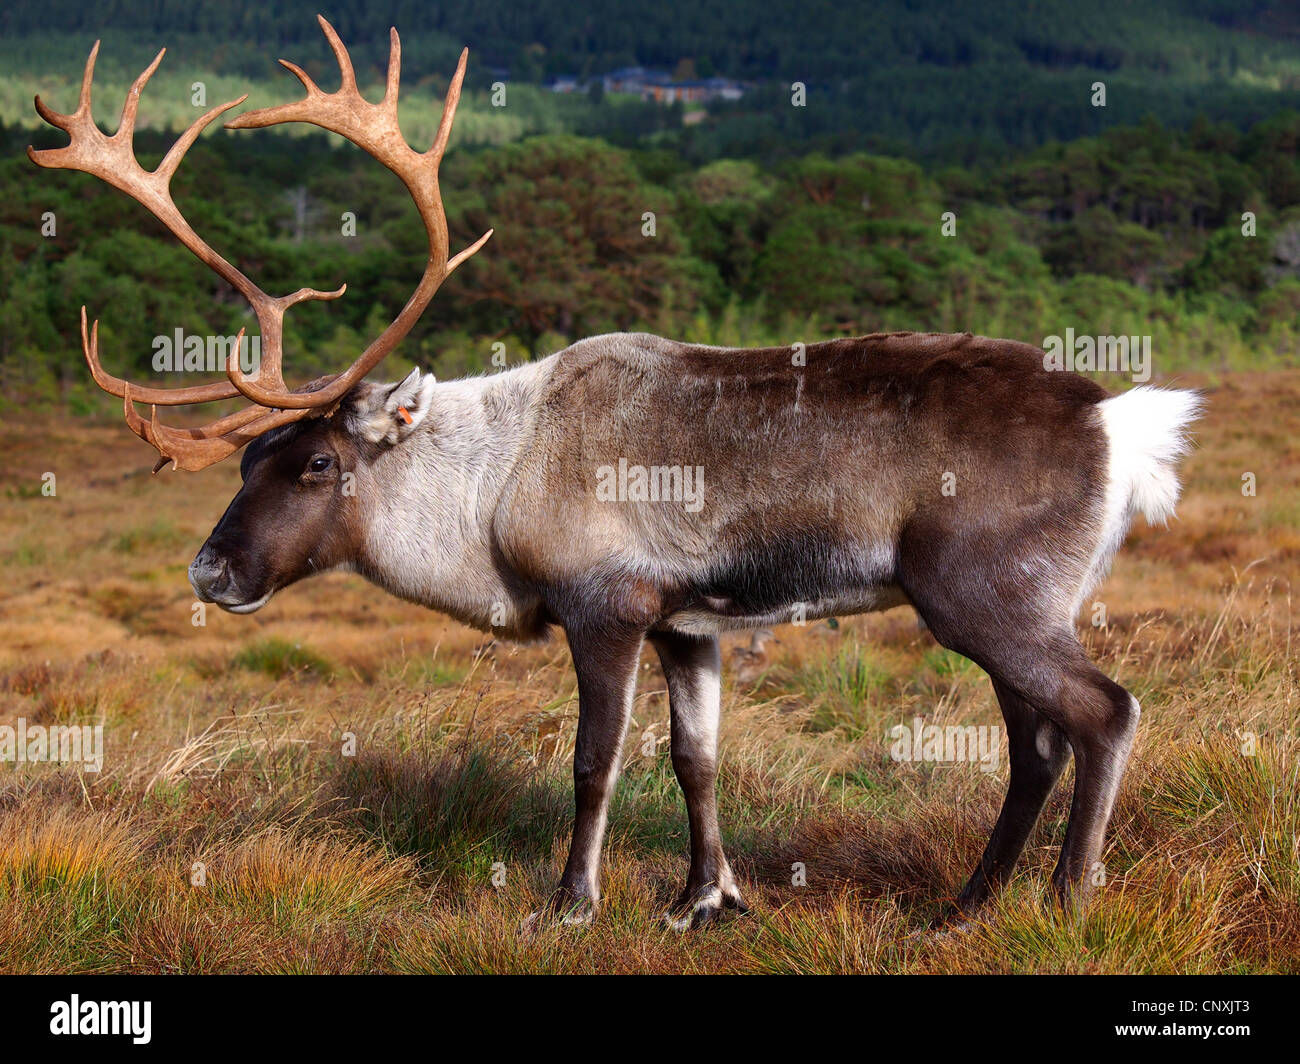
{"type": "Point", "coordinates": [952, 473]}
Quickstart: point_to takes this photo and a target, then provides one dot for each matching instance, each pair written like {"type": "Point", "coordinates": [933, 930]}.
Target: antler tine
{"type": "Point", "coordinates": [450, 103]}
{"type": "Point", "coordinates": [172, 160]}
{"type": "Point", "coordinates": [349, 77]}
{"type": "Point", "coordinates": [312, 88]}
{"type": "Point", "coordinates": [393, 82]}
{"type": "Point", "coordinates": [126, 126]}
{"type": "Point", "coordinates": [65, 121]}
{"type": "Point", "coordinates": [87, 76]}
{"type": "Point", "coordinates": [465, 253]}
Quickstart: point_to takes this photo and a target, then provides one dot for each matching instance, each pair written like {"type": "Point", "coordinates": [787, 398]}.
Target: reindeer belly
{"type": "Point", "coordinates": [712, 615]}
{"type": "Point", "coordinates": [790, 581]}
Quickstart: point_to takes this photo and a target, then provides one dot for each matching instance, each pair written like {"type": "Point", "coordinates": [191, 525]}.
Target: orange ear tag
{"type": "Point", "coordinates": [406, 416]}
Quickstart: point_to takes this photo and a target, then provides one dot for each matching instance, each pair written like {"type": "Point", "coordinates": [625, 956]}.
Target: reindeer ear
{"type": "Point", "coordinates": [388, 413]}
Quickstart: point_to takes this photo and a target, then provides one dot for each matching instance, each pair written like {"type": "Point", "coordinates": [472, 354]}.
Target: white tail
{"type": "Point", "coordinates": [1147, 433]}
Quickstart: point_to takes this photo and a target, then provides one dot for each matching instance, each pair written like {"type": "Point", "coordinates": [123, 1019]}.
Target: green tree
{"type": "Point", "coordinates": [571, 252]}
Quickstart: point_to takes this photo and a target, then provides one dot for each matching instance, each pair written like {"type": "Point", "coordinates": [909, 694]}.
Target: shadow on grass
{"type": "Point", "coordinates": [455, 814]}
{"type": "Point", "coordinates": [458, 814]}
{"type": "Point", "coordinates": [919, 860]}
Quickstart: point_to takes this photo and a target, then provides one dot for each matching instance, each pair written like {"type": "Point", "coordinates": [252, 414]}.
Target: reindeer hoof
{"type": "Point", "coordinates": [703, 907]}
{"type": "Point", "coordinates": [938, 932]}
{"type": "Point", "coordinates": [563, 910]}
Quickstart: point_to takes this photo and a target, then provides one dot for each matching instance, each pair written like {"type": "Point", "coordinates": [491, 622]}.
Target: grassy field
{"type": "Point", "coordinates": [424, 849]}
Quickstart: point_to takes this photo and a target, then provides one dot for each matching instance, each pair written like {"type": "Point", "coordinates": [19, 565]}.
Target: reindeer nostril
{"type": "Point", "coordinates": [209, 573]}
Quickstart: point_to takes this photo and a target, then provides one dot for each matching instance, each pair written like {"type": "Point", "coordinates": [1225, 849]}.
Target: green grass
{"type": "Point", "coordinates": [855, 687]}
{"type": "Point", "coordinates": [159, 532]}
{"type": "Point", "coordinates": [279, 657]}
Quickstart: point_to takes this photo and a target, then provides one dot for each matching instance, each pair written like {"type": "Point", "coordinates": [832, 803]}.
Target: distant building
{"type": "Point", "coordinates": [631, 79]}
{"type": "Point", "coordinates": [563, 83]}
{"type": "Point", "coordinates": [659, 86]}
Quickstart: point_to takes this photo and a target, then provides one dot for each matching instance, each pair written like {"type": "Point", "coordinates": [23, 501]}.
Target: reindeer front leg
{"type": "Point", "coordinates": [606, 664]}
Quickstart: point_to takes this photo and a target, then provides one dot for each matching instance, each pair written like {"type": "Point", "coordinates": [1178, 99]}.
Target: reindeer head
{"type": "Point", "coordinates": [292, 516]}
{"type": "Point", "coordinates": [297, 511]}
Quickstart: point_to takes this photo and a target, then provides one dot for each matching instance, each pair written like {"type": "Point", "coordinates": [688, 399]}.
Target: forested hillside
{"type": "Point", "coordinates": [923, 78]}
{"type": "Point", "coordinates": [770, 222]}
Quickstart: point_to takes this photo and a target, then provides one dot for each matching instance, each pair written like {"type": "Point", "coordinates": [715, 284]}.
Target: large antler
{"type": "Point", "coordinates": [373, 127]}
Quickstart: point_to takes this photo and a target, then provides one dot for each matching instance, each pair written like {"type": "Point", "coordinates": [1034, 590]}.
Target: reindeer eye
{"type": "Point", "coordinates": [320, 463]}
